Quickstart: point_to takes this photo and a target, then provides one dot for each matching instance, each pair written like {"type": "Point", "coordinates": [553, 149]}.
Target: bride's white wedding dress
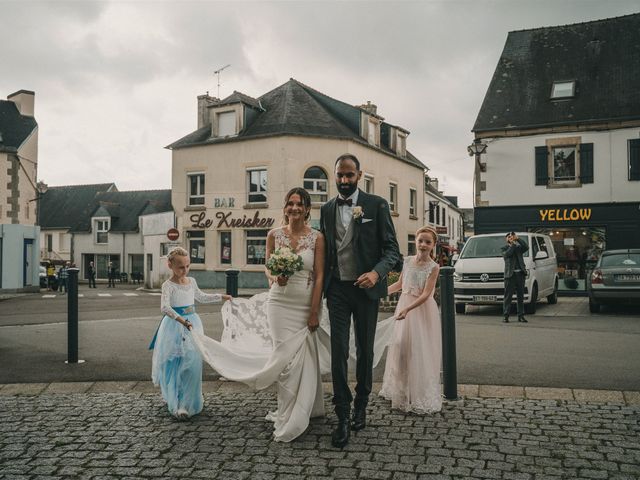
{"type": "Point", "coordinates": [266, 340]}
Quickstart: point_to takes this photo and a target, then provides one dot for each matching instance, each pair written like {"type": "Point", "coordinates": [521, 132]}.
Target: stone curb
{"type": "Point", "coordinates": [220, 386]}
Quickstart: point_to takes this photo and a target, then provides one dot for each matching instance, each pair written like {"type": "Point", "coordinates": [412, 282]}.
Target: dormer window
{"type": "Point", "coordinates": [101, 228]}
{"type": "Point", "coordinates": [226, 123]}
{"type": "Point", "coordinates": [401, 144]}
{"type": "Point", "coordinates": [563, 89]}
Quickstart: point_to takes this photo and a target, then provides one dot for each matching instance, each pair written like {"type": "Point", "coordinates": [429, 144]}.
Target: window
{"type": "Point", "coordinates": [316, 183]}
{"type": "Point", "coordinates": [432, 211]}
{"type": "Point", "coordinates": [102, 264]}
{"type": "Point", "coordinates": [393, 197]}
{"type": "Point", "coordinates": [102, 231]}
{"type": "Point", "coordinates": [401, 144]}
{"type": "Point", "coordinates": [49, 242]}
{"type": "Point", "coordinates": [437, 215]}
{"type": "Point", "coordinates": [196, 246]}
{"type": "Point", "coordinates": [372, 135]}
{"type": "Point", "coordinates": [196, 188]}
{"type": "Point", "coordinates": [564, 164]}
{"type": "Point", "coordinates": [368, 184]}
{"type": "Point", "coordinates": [411, 245]}
{"type": "Point", "coordinates": [256, 246]}
{"type": "Point", "coordinates": [634, 159]}
{"type": "Point", "coordinates": [413, 198]}
{"type": "Point", "coordinates": [257, 191]}
{"type": "Point", "coordinates": [563, 89]}
{"type": "Point", "coordinates": [225, 248]}
{"type": "Point", "coordinates": [226, 124]}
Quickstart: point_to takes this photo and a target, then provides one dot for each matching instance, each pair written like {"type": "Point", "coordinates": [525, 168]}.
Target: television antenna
{"type": "Point", "coordinates": [217, 72]}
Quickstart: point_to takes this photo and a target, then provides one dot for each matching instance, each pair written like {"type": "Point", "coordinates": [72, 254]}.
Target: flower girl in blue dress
{"type": "Point", "coordinates": [177, 363]}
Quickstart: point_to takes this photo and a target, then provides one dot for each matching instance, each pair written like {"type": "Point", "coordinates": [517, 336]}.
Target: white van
{"type": "Point", "coordinates": [479, 271]}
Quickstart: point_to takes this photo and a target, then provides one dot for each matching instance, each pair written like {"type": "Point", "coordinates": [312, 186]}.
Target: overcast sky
{"type": "Point", "coordinates": [116, 82]}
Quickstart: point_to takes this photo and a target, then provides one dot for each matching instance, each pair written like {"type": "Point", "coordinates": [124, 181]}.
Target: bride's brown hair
{"type": "Point", "coordinates": [435, 239]}
{"type": "Point", "coordinates": [306, 202]}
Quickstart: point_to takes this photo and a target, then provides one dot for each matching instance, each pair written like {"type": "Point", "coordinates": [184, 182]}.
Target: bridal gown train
{"type": "Point", "coordinates": [266, 340]}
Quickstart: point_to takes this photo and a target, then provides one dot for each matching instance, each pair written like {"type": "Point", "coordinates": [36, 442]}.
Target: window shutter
{"type": "Point", "coordinates": [586, 163]}
{"type": "Point", "coordinates": [542, 166]}
{"type": "Point", "coordinates": [634, 159]}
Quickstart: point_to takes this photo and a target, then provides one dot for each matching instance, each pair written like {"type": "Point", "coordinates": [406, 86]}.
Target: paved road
{"type": "Point", "coordinates": [117, 436]}
{"type": "Point", "coordinates": [574, 350]}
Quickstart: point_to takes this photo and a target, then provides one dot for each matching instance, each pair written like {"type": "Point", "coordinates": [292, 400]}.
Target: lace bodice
{"type": "Point", "coordinates": [176, 295]}
{"type": "Point", "coordinates": [305, 247]}
{"type": "Point", "coordinates": [415, 276]}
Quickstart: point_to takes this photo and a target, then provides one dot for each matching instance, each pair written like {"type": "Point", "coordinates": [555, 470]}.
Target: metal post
{"type": "Point", "coordinates": [72, 316]}
{"type": "Point", "coordinates": [232, 282]}
{"type": "Point", "coordinates": [448, 316]}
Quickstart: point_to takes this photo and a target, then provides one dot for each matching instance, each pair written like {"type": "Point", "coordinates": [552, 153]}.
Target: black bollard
{"type": "Point", "coordinates": [72, 316]}
{"type": "Point", "coordinates": [448, 316]}
{"type": "Point", "coordinates": [232, 282]}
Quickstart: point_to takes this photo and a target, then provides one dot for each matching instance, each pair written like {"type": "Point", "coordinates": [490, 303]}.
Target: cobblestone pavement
{"type": "Point", "coordinates": [129, 435]}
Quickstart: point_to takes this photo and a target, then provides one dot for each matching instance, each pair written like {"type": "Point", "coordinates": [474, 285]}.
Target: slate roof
{"type": "Point", "coordinates": [603, 57]}
{"type": "Point", "coordinates": [236, 97]}
{"type": "Point", "coordinates": [14, 127]}
{"type": "Point", "coordinates": [124, 208]}
{"type": "Point", "coordinates": [296, 109]}
{"type": "Point", "coordinates": [61, 207]}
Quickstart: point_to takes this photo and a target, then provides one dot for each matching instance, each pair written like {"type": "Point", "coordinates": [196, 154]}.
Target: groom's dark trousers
{"type": "Point", "coordinates": [343, 300]}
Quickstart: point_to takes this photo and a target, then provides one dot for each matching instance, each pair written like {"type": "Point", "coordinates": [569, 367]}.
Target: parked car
{"type": "Point", "coordinates": [615, 279]}
{"type": "Point", "coordinates": [479, 271]}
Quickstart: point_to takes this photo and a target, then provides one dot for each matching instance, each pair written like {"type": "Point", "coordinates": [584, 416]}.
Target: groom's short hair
{"type": "Point", "coordinates": [348, 156]}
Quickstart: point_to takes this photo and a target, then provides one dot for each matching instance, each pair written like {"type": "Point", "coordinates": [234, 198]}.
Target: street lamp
{"type": "Point", "coordinates": [478, 148]}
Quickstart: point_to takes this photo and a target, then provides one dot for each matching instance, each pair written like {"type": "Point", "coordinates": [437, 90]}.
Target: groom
{"type": "Point", "coordinates": [361, 248]}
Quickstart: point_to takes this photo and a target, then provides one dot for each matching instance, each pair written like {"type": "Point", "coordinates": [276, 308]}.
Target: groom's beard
{"type": "Point", "coordinates": [347, 189]}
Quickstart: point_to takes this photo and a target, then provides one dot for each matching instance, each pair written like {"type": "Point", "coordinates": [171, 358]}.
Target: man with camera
{"type": "Point", "coordinates": [514, 274]}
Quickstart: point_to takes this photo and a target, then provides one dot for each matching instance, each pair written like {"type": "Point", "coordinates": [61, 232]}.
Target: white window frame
{"type": "Point", "coordinates": [230, 130]}
{"type": "Point", "coordinates": [368, 180]}
{"type": "Point", "coordinates": [393, 197]}
{"type": "Point", "coordinates": [413, 202]}
{"type": "Point", "coordinates": [558, 89]}
{"type": "Point", "coordinates": [265, 192]}
{"type": "Point", "coordinates": [101, 226]}
{"type": "Point", "coordinates": [196, 199]}
{"type": "Point", "coordinates": [316, 182]}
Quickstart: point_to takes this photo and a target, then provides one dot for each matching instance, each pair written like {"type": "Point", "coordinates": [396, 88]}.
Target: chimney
{"type": "Point", "coordinates": [204, 101]}
{"type": "Point", "coordinates": [370, 107]}
{"type": "Point", "coordinates": [24, 100]}
{"type": "Point", "coordinates": [434, 183]}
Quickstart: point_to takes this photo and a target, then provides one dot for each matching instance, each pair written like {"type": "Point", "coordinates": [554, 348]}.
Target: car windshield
{"type": "Point", "coordinates": [621, 260]}
{"type": "Point", "coordinates": [484, 247]}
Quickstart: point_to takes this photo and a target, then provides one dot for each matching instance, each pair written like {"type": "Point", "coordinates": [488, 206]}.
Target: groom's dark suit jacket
{"type": "Point", "coordinates": [374, 241]}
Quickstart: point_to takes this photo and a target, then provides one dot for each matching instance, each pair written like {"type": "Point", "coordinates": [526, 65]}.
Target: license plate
{"type": "Point", "coordinates": [484, 298]}
{"type": "Point", "coordinates": [627, 277]}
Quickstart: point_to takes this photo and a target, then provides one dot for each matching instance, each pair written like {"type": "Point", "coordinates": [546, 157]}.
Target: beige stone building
{"type": "Point", "coordinates": [229, 177]}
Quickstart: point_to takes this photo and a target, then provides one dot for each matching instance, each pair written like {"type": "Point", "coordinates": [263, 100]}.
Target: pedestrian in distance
{"type": "Point", "coordinates": [112, 275]}
{"type": "Point", "coordinates": [177, 363]}
{"type": "Point", "coordinates": [92, 275]}
{"type": "Point", "coordinates": [412, 372]}
{"type": "Point", "coordinates": [63, 276]}
{"type": "Point", "coordinates": [514, 274]}
{"type": "Point", "coordinates": [51, 276]}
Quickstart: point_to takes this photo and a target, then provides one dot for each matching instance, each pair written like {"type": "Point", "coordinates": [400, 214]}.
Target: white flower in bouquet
{"type": "Point", "coordinates": [284, 262]}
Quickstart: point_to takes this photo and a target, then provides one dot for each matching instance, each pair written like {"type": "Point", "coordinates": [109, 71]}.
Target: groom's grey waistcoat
{"type": "Point", "coordinates": [347, 267]}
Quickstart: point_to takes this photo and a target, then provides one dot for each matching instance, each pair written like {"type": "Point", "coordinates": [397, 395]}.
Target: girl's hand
{"type": "Point", "coordinates": [187, 324]}
{"type": "Point", "coordinates": [282, 280]}
{"type": "Point", "coordinates": [313, 322]}
{"type": "Point", "coordinates": [227, 297]}
{"type": "Point", "coordinates": [402, 315]}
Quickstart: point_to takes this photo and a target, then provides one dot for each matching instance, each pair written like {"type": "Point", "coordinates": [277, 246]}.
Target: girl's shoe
{"type": "Point", "coordinates": [182, 414]}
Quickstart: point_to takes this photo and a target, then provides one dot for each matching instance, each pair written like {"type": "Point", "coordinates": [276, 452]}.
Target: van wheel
{"type": "Point", "coordinates": [460, 308]}
{"type": "Point", "coordinates": [594, 307]}
{"type": "Point", "coordinates": [553, 298]}
{"type": "Point", "coordinates": [530, 308]}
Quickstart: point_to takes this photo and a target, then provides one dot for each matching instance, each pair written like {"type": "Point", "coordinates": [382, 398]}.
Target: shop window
{"type": "Point", "coordinates": [411, 245]}
{"type": "Point", "coordinates": [225, 248]}
{"type": "Point", "coordinates": [368, 183]}
{"type": "Point", "coordinates": [413, 199]}
{"type": "Point", "coordinates": [316, 183]}
{"type": "Point", "coordinates": [393, 197]}
{"type": "Point", "coordinates": [257, 185]}
{"type": "Point", "coordinates": [634, 159]}
{"type": "Point", "coordinates": [102, 265]}
{"type": "Point", "coordinates": [102, 231]}
{"type": "Point", "coordinates": [196, 246]}
{"type": "Point", "coordinates": [196, 188]}
{"type": "Point", "coordinates": [256, 246]}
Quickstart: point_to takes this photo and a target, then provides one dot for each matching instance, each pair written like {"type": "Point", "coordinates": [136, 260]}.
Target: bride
{"type": "Point", "coordinates": [287, 347]}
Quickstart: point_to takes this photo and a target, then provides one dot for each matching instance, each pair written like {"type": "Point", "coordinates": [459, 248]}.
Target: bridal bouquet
{"type": "Point", "coordinates": [284, 262]}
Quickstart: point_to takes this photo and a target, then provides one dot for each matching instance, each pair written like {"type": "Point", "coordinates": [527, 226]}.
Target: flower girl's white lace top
{"type": "Point", "coordinates": [177, 295]}
{"type": "Point", "coordinates": [415, 276]}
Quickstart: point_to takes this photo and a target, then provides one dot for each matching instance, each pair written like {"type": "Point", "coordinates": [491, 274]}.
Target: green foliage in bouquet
{"type": "Point", "coordinates": [284, 262]}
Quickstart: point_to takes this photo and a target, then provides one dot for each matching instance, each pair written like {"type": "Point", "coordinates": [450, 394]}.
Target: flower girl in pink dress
{"type": "Point", "coordinates": [412, 372]}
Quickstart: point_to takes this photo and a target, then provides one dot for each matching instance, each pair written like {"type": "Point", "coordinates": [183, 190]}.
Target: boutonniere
{"type": "Point", "coordinates": [357, 212]}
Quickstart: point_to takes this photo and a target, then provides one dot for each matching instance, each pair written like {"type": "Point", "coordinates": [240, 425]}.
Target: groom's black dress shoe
{"type": "Point", "coordinates": [340, 435]}
{"type": "Point", "coordinates": [359, 420]}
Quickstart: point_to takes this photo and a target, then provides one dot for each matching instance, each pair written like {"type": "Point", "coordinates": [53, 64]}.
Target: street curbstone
{"type": "Point", "coordinates": [540, 393]}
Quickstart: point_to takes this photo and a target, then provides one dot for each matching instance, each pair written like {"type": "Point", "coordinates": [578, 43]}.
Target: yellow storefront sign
{"type": "Point", "coordinates": [564, 214]}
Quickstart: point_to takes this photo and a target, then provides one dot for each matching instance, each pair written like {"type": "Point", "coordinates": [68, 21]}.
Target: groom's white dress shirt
{"type": "Point", "coordinates": [346, 211]}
